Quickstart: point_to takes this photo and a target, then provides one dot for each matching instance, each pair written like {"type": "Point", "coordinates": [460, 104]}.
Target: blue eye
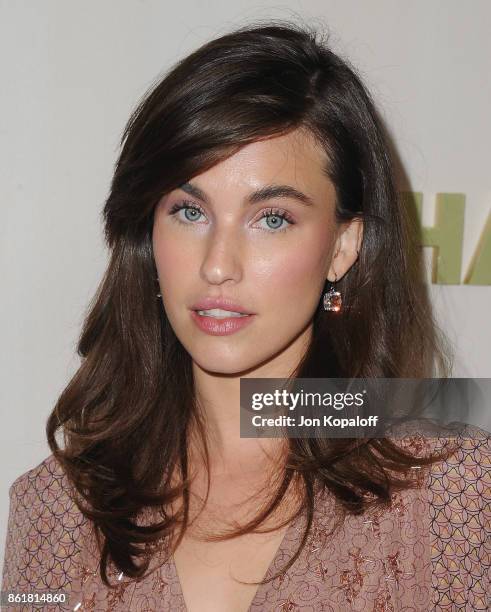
{"type": "Point", "coordinates": [192, 212]}
{"type": "Point", "coordinates": [277, 216]}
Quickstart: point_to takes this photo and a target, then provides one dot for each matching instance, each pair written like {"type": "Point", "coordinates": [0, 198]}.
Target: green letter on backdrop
{"type": "Point", "coordinates": [445, 236]}
{"type": "Point", "coordinates": [479, 272]}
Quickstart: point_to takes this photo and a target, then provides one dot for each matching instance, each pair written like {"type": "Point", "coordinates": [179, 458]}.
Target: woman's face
{"type": "Point", "coordinates": [227, 246]}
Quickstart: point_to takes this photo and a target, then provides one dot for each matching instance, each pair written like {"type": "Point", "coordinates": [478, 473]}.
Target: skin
{"type": "Point", "coordinates": [229, 250]}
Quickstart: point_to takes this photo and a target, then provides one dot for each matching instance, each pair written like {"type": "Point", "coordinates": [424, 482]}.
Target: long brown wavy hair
{"type": "Point", "coordinates": [127, 413]}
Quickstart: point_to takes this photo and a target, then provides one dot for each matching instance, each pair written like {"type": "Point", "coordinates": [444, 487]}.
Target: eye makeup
{"type": "Point", "coordinates": [277, 213]}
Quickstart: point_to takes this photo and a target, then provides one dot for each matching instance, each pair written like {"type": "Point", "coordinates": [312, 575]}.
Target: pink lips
{"type": "Point", "coordinates": [224, 303]}
{"type": "Point", "coordinates": [220, 327]}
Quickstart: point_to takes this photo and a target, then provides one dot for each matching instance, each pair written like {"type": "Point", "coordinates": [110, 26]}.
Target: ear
{"type": "Point", "coordinates": [346, 248]}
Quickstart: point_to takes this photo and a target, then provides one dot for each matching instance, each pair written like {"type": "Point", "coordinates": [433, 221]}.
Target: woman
{"type": "Point", "coordinates": [254, 181]}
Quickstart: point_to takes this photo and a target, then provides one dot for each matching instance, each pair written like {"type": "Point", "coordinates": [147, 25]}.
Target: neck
{"type": "Point", "coordinates": [218, 396]}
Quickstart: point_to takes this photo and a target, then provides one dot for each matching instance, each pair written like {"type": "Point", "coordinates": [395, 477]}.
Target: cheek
{"type": "Point", "coordinates": [172, 261]}
{"type": "Point", "coordinates": [296, 272]}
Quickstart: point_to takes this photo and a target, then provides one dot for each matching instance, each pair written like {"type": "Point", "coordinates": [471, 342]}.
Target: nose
{"type": "Point", "coordinates": [222, 257]}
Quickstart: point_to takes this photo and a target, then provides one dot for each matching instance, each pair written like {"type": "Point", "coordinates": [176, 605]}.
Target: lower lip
{"type": "Point", "coordinates": [220, 327]}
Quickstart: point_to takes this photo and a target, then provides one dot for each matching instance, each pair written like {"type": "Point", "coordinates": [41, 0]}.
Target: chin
{"type": "Point", "coordinates": [223, 366]}
{"type": "Point", "coordinates": [225, 362]}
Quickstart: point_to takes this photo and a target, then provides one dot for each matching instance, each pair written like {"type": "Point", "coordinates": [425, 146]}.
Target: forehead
{"type": "Point", "coordinates": [294, 158]}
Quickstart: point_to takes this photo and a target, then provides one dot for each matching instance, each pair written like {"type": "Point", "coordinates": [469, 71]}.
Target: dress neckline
{"type": "Point", "coordinates": [290, 535]}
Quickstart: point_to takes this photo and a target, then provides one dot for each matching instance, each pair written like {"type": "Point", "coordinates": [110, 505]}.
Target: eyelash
{"type": "Point", "coordinates": [269, 212]}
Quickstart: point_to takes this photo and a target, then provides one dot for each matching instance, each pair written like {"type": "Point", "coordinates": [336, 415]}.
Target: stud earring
{"type": "Point", "coordinates": [332, 298]}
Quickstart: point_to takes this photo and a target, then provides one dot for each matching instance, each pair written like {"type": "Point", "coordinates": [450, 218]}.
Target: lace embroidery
{"type": "Point", "coordinates": [352, 580]}
{"type": "Point", "coordinates": [288, 606]}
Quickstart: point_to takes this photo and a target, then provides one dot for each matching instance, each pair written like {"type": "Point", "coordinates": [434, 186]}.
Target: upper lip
{"type": "Point", "coordinates": [224, 303]}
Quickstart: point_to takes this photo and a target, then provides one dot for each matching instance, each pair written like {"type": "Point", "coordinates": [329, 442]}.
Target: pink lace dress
{"type": "Point", "coordinates": [430, 550]}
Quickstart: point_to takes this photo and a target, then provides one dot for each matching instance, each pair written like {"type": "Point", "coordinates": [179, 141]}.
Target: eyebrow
{"type": "Point", "coordinates": [267, 192]}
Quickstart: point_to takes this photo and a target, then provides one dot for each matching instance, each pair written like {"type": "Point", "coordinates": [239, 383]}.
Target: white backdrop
{"type": "Point", "coordinates": [73, 71]}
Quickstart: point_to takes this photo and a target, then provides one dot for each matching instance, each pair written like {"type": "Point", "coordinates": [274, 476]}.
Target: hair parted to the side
{"type": "Point", "coordinates": [127, 413]}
